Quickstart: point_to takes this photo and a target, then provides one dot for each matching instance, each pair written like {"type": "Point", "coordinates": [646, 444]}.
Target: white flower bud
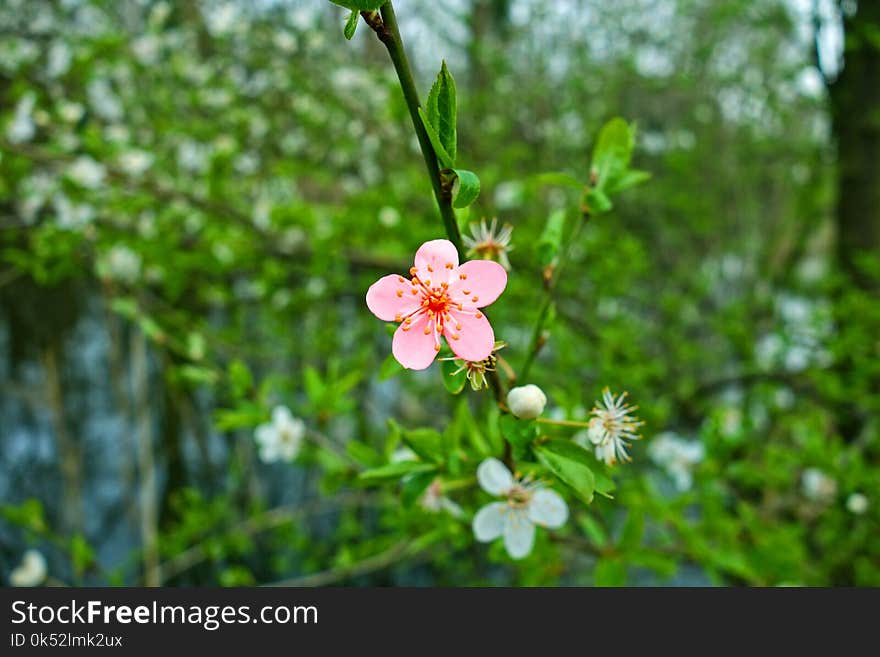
{"type": "Point", "coordinates": [526, 402]}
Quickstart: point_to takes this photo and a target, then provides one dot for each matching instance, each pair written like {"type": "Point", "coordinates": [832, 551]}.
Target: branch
{"type": "Point", "coordinates": [393, 555]}
{"type": "Point", "coordinates": [389, 34]}
{"type": "Point", "coordinates": [266, 521]}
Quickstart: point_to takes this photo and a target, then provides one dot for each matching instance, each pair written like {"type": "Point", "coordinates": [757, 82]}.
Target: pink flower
{"type": "Point", "coordinates": [442, 298]}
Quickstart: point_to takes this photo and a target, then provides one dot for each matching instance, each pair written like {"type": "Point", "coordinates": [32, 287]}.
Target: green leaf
{"type": "Point", "coordinates": [314, 386]}
{"type": "Point", "coordinates": [390, 367]}
{"type": "Point", "coordinates": [245, 416]}
{"type": "Point", "coordinates": [29, 515]}
{"type": "Point", "coordinates": [196, 374]}
{"type": "Point", "coordinates": [612, 153]}
{"type": "Point", "coordinates": [82, 555]}
{"type": "Point", "coordinates": [241, 381]}
{"type": "Point", "coordinates": [597, 202]}
{"type": "Point", "coordinates": [465, 189]}
{"type": "Point", "coordinates": [395, 471]}
{"type": "Point", "coordinates": [551, 238]}
{"type": "Point", "coordinates": [604, 484]}
{"type": "Point", "coordinates": [363, 453]}
{"type": "Point", "coordinates": [633, 529]}
{"type": "Point", "coordinates": [594, 530]}
{"type": "Point", "coordinates": [351, 24]}
{"type": "Point", "coordinates": [453, 381]}
{"type": "Point", "coordinates": [429, 444]}
{"type": "Point", "coordinates": [629, 179]}
{"type": "Point", "coordinates": [559, 179]}
{"type": "Point", "coordinates": [568, 462]}
{"type": "Point", "coordinates": [440, 109]}
{"type": "Point", "coordinates": [519, 433]}
{"type": "Point", "coordinates": [439, 150]}
{"type": "Point", "coordinates": [414, 486]}
{"type": "Point", "coordinates": [360, 5]}
{"type": "Point", "coordinates": [609, 571]}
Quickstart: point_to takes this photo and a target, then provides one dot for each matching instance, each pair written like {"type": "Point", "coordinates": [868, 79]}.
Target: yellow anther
{"type": "Point", "coordinates": [463, 277]}
{"type": "Point", "coordinates": [465, 292]}
{"type": "Point", "coordinates": [401, 279]}
{"type": "Point", "coordinates": [415, 291]}
{"type": "Point", "coordinates": [479, 315]}
{"type": "Point", "coordinates": [454, 336]}
{"type": "Point", "coordinates": [475, 298]}
{"type": "Point", "coordinates": [436, 347]}
{"type": "Point", "coordinates": [413, 270]}
{"type": "Point", "coordinates": [460, 307]}
{"type": "Point", "coordinates": [428, 283]}
{"type": "Point", "coordinates": [430, 268]}
{"type": "Point", "coordinates": [427, 330]}
{"type": "Point", "coordinates": [457, 325]}
{"type": "Point", "coordinates": [449, 265]}
{"type": "Point", "coordinates": [398, 317]}
{"type": "Point", "coordinates": [408, 321]}
{"type": "Point", "coordinates": [444, 285]}
{"type": "Point", "coordinates": [400, 293]}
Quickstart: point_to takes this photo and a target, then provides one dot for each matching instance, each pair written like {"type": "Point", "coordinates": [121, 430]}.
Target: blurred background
{"type": "Point", "coordinates": [195, 196]}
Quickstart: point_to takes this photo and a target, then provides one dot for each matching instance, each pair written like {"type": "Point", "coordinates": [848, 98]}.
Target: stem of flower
{"type": "Point", "coordinates": [385, 26]}
{"type": "Point", "coordinates": [563, 423]}
{"type": "Point", "coordinates": [389, 34]}
{"type": "Point", "coordinates": [537, 340]}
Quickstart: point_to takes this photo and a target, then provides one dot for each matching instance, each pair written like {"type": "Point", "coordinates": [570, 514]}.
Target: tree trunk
{"type": "Point", "coordinates": [855, 106]}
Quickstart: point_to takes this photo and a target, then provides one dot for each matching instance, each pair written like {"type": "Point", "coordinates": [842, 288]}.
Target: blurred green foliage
{"type": "Point", "coordinates": [226, 180]}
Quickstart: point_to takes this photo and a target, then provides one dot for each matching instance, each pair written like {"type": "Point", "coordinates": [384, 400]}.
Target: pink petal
{"type": "Point", "coordinates": [412, 347]}
{"type": "Point", "coordinates": [384, 301]}
{"type": "Point", "coordinates": [435, 257]}
{"type": "Point", "coordinates": [484, 281]}
{"type": "Point", "coordinates": [469, 336]}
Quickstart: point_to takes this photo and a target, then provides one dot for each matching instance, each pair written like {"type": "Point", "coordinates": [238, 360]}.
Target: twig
{"type": "Point", "coordinates": [563, 423]}
{"type": "Point", "coordinates": [266, 521]}
{"type": "Point", "coordinates": [389, 34]}
{"type": "Point", "coordinates": [537, 341]}
{"type": "Point", "coordinates": [393, 555]}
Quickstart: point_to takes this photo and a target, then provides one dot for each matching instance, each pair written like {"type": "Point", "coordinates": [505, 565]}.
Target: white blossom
{"type": "Point", "coordinates": [488, 242]}
{"type": "Point", "coordinates": [857, 503]}
{"type": "Point", "coordinates": [818, 486]}
{"type": "Point", "coordinates": [121, 264]}
{"type": "Point", "coordinates": [59, 59]}
{"type": "Point", "coordinates": [526, 504]}
{"type": "Point", "coordinates": [72, 215]}
{"type": "Point", "coordinates": [612, 426]}
{"type": "Point", "coordinates": [31, 571]}
{"type": "Point", "coordinates": [22, 127]}
{"type": "Point", "coordinates": [135, 162]}
{"type": "Point", "coordinates": [103, 100]}
{"type": "Point", "coordinates": [222, 19]}
{"type": "Point", "coordinates": [146, 48]}
{"type": "Point", "coordinates": [280, 439]}
{"type": "Point", "coordinates": [70, 112]}
{"type": "Point", "coordinates": [526, 402]}
{"type": "Point", "coordinates": [677, 456]}
{"type": "Point", "coordinates": [434, 501]}
{"type": "Point", "coordinates": [192, 156]}
{"type": "Point", "coordinates": [285, 41]}
{"type": "Point", "coordinates": [86, 172]}
{"type": "Point", "coordinates": [388, 216]}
